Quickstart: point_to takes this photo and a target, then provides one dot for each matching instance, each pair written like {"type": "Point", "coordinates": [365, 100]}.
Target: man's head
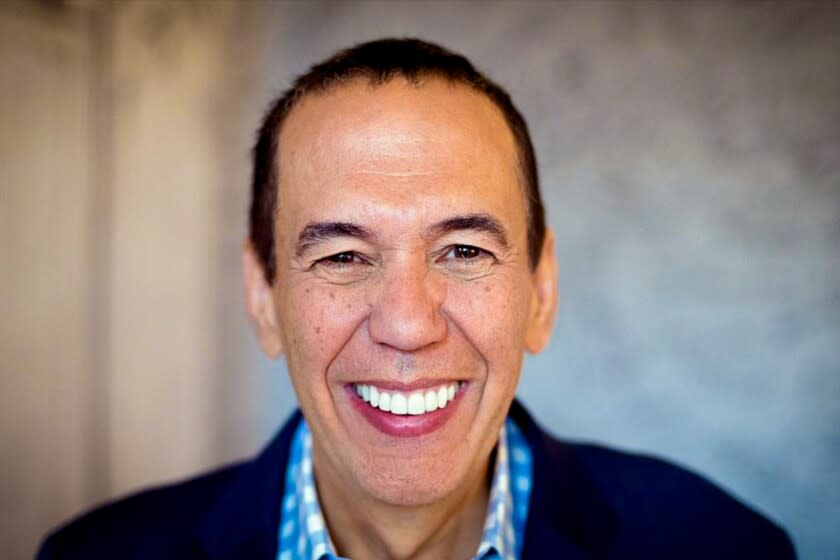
{"type": "Point", "coordinates": [402, 261]}
{"type": "Point", "coordinates": [379, 62]}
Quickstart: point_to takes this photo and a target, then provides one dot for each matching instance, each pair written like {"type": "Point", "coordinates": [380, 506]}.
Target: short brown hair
{"type": "Point", "coordinates": [380, 61]}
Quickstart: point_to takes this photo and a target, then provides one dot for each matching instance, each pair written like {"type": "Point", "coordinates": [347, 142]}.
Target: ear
{"type": "Point", "coordinates": [259, 302]}
{"type": "Point", "coordinates": [544, 298]}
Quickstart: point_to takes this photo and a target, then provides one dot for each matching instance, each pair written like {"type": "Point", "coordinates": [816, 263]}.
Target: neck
{"type": "Point", "coordinates": [362, 527]}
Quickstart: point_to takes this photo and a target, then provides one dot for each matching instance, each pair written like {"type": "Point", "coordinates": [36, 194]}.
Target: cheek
{"type": "Point", "coordinates": [316, 326]}
{"type": "Point", "coordinates": [492, 314]}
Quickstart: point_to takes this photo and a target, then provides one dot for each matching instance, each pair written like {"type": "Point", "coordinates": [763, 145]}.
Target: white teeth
{"type": "Point", "coordinates": [385, 401]}
{"type": "Point", "coordinates": [399, 405]}
{"type": "Point", "coordinates": [415, 403]}
{"type": "Point", "coordinates": [442, 397]}
{"type": "Point", "coordinates": [430, 401]}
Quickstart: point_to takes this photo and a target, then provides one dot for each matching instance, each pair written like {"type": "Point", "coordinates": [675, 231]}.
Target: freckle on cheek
{"type": "Point", "coordinates": [317, 330]}
{"type": "Point", "coordinates": [487, 289]}
{"type": "Point", "coordinates": [332, 295]}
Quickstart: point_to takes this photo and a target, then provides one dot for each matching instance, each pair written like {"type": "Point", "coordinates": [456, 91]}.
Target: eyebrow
{"type": "Point", "coordinates": [482, 223]}
{"type": "Point", "coordinates": [318, 232]}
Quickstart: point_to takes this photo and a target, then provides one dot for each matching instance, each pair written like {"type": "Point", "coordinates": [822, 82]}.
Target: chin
{"type": "Point", "coordinates": [397, 493]}
{"type": "Point", "coordinates": [415, 483]}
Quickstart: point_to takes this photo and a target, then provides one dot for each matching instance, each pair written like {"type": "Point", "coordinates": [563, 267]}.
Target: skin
{"type": "Point", "coordinates": [408, 302]}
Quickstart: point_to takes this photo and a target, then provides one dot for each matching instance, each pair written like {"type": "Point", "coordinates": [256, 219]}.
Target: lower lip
{"type": "Point", "coordinates": [405, 425]}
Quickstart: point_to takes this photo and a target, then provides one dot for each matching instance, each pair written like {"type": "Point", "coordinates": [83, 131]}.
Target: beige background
{"type": "Point", "coordinates": [690, 157]}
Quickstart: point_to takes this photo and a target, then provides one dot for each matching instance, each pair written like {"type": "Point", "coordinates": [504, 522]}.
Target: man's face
{"type": "Point", "coordinates": [402, 268]}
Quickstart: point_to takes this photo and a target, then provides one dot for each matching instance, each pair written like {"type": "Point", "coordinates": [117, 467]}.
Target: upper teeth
{"type": "Point", "coordinates": [416, 403]}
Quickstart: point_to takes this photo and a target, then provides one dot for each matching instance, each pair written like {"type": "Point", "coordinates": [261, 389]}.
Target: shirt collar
{"type": "Point", "coordinates": [498, 539]}
{"type": "Point", "coordinates": [304, 536]}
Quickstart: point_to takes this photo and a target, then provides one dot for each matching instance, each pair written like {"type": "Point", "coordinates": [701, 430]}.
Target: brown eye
{"type": "Point", "coordinates": [466, 255]}
{"type": "Point", "coordinates": [342, 262]}
{"type": "Point", "coordinates": [343, 258]}
{"type": "Point", "coordinates": [466, 261]}
{"type": "Point", "coordinates": [343, 268]}
{"type": "Point", "coordinates": [466, 252]}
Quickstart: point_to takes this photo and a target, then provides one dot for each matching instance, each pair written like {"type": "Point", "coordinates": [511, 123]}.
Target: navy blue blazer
{"type": "Point", "coordinates": [587, 502]}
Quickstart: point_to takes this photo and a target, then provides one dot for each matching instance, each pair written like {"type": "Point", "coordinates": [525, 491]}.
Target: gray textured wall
{"type": "Point", "coordinates": [690, 160]}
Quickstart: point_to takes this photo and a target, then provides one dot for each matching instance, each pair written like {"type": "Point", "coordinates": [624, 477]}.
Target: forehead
{"type": "Point", "coordinates": [437, 139]}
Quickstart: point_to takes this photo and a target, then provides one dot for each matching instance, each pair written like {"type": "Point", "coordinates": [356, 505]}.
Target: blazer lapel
{"type": "Point", "coordinates": [244, 521]}
{"type": "Point", "coordinates": [568, 517]}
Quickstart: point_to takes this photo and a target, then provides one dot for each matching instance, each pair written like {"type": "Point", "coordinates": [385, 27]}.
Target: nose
{"type": "Point", "coordinates": [406, 308]}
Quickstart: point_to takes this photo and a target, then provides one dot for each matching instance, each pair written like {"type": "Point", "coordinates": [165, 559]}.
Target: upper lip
{"type": "Point", "coordinates": [419, 384]}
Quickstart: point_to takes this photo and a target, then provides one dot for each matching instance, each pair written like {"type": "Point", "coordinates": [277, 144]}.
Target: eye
{"type": "Point", "coordinates": [467, 259]}
{"type": "Point", "coordinates": [344, 267]}
{"type": "Point", "coordinates": [343, 260]}
{"type": "Point", "coordinates": [465, 253]}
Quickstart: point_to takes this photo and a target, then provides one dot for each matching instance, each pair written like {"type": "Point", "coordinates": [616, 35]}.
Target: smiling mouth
{"type": "Point", "coordinates": [414, 403]}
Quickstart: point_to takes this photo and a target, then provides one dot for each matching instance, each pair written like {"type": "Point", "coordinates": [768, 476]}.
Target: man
{"type": "Point", "coordinates": [399, 260]}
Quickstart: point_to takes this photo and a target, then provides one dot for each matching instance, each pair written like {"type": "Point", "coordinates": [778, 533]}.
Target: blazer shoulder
{"type": "Point", "coordinates": [156, 521]}
{"type": "Point", "coordinates": [678, 507]}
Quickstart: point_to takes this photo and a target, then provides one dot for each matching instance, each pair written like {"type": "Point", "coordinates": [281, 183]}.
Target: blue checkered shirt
{"type": "Point", "coordinates": [303, 534]}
